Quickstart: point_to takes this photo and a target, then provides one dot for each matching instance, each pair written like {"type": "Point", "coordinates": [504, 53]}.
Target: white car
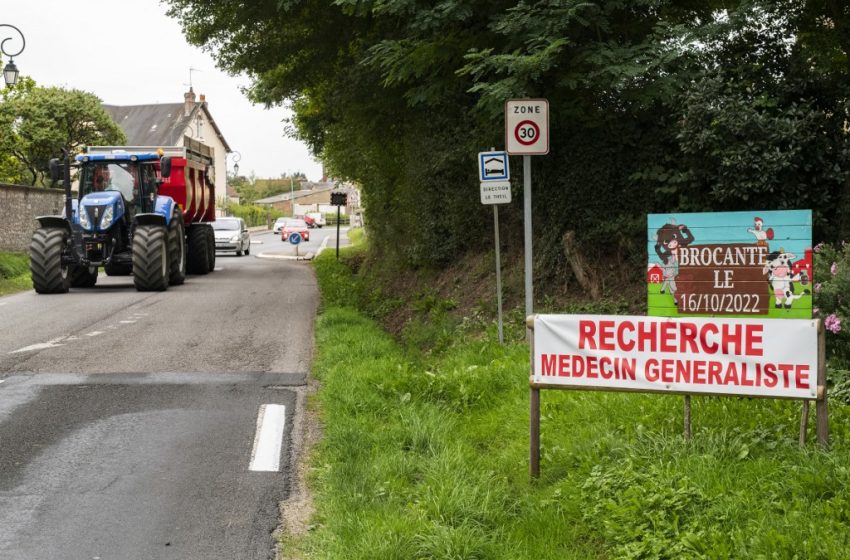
{"type": "Point", "coordinates": [278, 224]}
{"type": "Point", "coordinates": [231, 234]}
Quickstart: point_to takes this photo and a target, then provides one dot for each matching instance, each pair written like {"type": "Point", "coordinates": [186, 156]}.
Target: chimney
{"type": "Point", "coordinates": [203, 98]}
{"type": "Point", "coordinates": [189, 102]}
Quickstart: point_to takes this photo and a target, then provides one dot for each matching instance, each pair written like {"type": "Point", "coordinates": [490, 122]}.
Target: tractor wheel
{"type": "Point", "coordinates": [118, 269]}
{"type": "Point", "coordinates": [49, 275]}
{"type": "Point", "coordinates": [198, 258]}
{"type": "Point", "coordinates": [177, 249]}
{"type": "Point", "coordinates": [151, 267]}
{"type": "Point", "coordinates": [211, 246]}
{"type": "Point", "coordinates": [83, 276]}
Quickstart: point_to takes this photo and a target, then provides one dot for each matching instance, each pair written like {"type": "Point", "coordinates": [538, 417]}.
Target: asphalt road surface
{"type": "Point", "coordinates": [153, 425]}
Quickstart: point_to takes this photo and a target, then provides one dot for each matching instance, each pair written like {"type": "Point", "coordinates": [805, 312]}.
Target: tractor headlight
{"type": "Point", "coordinates": [84, 218]}
{"type": "Point", "coordinates": [234, 239]}
{"type": "Point", "coordinates": [108, 215]}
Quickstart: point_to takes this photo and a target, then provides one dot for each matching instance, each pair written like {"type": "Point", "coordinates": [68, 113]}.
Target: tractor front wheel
{"type": "Point", "coordinates": [151, 266]}
{"type": "Point", "coordinates": [177, 248]}
{"type": "Point", "coordinates": [49, 274]}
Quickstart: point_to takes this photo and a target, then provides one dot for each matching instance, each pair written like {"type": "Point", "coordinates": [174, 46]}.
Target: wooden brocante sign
{"type": "Point", "coordinates": [742, 264]}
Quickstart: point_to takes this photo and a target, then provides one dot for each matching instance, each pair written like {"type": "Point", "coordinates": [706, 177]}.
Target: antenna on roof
{"type": "Point", "coordinates": [190, 75]}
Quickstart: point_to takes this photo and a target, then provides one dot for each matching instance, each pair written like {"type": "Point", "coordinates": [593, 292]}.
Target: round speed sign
{"type": "Point", "coordinates": [527, 127]}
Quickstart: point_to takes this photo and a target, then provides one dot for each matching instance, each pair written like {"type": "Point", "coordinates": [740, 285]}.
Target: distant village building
{"type": "Point", "coordinates": [166, 124]}
{"type": "Point", "coordinates": [312, 197]}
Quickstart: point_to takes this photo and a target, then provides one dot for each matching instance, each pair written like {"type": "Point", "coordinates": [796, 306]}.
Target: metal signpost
{"type": "Point", "coordinates": [494, 173]}
{"type": "Point", "coordinates": [527, 134]}
{"type": "Point", "coordinates": [338, 199]}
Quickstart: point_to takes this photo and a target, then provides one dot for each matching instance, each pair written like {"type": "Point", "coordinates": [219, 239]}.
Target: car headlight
{"type": "Point", "coordinates": [84, 218]}
{"type": "Point", "coordinates": [234, 239]}
{"type": "Point", "coordinates": [106, 220]}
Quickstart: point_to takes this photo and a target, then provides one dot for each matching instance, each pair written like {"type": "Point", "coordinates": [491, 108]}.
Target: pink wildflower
{"type": "Point", "coordinates": [834, 268]}
{"type": "Point", "coordinates": [818, 247]}
{"type": "Point", "coordinates": [817, 287]}
{"type": "Point", "coordinates": [815, 311]}
{"type": "Point", "coordinates": [832, 323]}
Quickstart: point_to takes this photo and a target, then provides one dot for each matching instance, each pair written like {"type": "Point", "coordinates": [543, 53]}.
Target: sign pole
{"type": "Point", "coordinates": [534, 415]}
{"type": "Point", "coordinates": [526, 172]}
{"type": "Point", "coordinates": [337, 231]}
{"type": "Point", "coordinates": [821, 409]}
{"type": "Point", "coordinates": [498, 270]}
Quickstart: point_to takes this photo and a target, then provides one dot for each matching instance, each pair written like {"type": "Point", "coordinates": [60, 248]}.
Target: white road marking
{"type": "Point", "coordinates": [94, 333]}
{"type": "Point", "coordinates": [40, 346]}
{"type": "Point", "coordinates": [2, 380]}
{"type": "Point", "coordinates": [268, 440]}
{"type": "Point", "coordinates": [126, 322]}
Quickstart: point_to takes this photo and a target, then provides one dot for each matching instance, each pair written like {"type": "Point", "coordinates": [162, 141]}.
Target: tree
{"type": "Point", "coordinates": [37, 123]}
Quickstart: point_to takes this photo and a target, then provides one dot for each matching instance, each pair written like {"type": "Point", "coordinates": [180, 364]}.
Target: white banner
{"type": "Point", "coordinates": [746, 357]}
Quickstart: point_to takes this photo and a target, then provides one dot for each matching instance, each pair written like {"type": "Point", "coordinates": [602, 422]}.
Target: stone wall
{"type": "Point", "coordinates": [19, 207]}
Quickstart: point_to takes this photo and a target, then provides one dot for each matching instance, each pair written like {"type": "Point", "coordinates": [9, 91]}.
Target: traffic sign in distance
{"type": "Point", "coordinates": [295, 238]}
{"type": "Point", "coordinates": [339, 199]}
{"type": "Point", "coordinates": [527, 127]}
{"type": "Point", "coordinates": [496, 192]}
{"type": "Point", "coordinates": [493, 166]}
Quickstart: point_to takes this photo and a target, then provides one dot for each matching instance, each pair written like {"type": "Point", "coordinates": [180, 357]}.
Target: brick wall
{"type": "Point", "coordinates": [19, 207]}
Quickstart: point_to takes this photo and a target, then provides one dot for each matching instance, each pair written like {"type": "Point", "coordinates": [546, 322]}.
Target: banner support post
{"type": "Point", "coordinates": [687, 417]}
{"type": "Point", "coordinates": [534, 412]}
{"type": "Point", "coordinates": [821, 409]}
{"type": "Point", "coordinates": [804, 422]}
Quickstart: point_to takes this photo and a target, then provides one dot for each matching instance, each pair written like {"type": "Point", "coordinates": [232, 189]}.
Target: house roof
{"type": "Point", "coordinates": [160, 124]}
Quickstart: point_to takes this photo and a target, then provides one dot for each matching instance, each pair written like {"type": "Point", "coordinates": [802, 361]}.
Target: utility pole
{"type": "Point", "coordinates": [292, 195]}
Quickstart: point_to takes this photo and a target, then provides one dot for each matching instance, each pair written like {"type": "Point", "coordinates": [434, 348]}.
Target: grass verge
{"type": "Point", "coordinates": [425, 455]}
{"type": "Point", "coordinates": [14, 273]}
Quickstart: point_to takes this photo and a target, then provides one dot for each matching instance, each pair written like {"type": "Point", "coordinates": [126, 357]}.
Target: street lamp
{"type": "Point", "coordinates": [10, 71]}
{"type": "Point", "coordinates": [235, 159]}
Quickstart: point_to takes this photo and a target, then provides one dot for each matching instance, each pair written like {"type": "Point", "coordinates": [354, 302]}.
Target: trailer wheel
{"type": "Point", "coordinates": [177, 249]}
{"type": "Point", "coordinates": [83, 276]}
{"type": "Point", "coordinates": [198, 258]}
{"type": "Point", "coordinates": [211, 247]}
{"type": "Point", "coordinates": [151, 268]}
{"type": "Point", "coordinates": [49, 274]}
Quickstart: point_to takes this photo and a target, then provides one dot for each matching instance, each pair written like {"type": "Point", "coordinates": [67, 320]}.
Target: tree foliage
{"type": "Point", "coordinates": [656, 106]}
{"type": "Point", "coordinates": [37, 123]}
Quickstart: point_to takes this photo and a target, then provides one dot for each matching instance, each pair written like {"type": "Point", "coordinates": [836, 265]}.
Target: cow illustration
{"type": "Point", "coordinates": [778, 267]}
{"type": "Point", "coordinates": [668, 240]}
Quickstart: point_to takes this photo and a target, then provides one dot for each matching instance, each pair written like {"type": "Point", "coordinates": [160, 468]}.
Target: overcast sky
{"type": "Point", "coordinates": [131, 53]}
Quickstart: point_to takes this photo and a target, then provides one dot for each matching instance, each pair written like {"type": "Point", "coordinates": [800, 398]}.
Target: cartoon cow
{"type": "Point", "coordinates": [668, 239]}
{"type": "Point", "coordinates": [781, 279]}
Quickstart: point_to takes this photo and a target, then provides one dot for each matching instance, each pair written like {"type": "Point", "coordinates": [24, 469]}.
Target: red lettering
{"type": "Point", "coordinates": [627, 368]}
{"type": "Point", "coordinates": [754, 340]}
{"type": "Point", "coordinates": [731, 375]}
{"type": "Point", "coordinates": [786, 374]}
{"type": "Point", "coordinates": [668, 337]}
{"type": "Point", "coordinates": [771, 378]}
{"type": "Point", "coordinates": [625, 346]}
{"type": "Point", "coordinates": [651, 372]}
{"type": "Point", "coordinates": [667, 371]}
{"type": "Point", "coordinates": [606, 372]}
{"type": "Point", "coordinates": [606, 335]}
{"type": "Point", "coordinates": [578, 366]}
{"type": "Point", "coordinates": [802, 376]}
{"type": "Point", "coordinates": [592, 371]}
{"type": "Point", "coordinates": [645, 336]}
{"type": "Point", "coordinates": [734, 338]}
{"type": "Point", "coordinates": [698, 371]}
{"type": "Point", "coordinates": [547, 364]}
{"type": "Point", "coordinates": [586, 330]}
{"type": "Point", "coordinates": [688, 338]}
{"type": "Point", "coordinates": [746, 381]}
{"type": "Point", "coordinates": [714, 369]}
{"type": "Point", "coordinates": [703, 338]}
{"type": "Point", "coordinates": [564, 365]}
{"type": "Point", "coordinates": [683, 371]}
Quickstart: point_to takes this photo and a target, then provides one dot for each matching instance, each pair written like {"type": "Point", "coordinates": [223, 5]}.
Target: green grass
{"type": "Point", "coordinates": [426, 456]}
{"type": "Point", "coordinates": [14, 273]}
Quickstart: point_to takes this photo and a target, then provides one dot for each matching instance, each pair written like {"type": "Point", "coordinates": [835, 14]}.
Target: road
{"type": "Point", "coordinates": [320, 239]}
{"type": "Point", "coordinates": [154, 425]}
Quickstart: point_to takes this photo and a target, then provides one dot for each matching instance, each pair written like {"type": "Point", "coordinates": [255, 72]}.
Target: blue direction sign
{"type": "Point", "coordinates": [493, 166]}
{"type": "Point", "coordinates": [295, 238]}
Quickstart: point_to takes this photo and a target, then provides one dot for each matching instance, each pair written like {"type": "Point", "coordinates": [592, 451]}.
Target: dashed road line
{"type": "Point", "coordinates": [268, 440]}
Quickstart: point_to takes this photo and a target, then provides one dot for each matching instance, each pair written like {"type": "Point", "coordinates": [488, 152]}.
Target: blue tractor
{"type": "Point", "coordinates": [118, 222]}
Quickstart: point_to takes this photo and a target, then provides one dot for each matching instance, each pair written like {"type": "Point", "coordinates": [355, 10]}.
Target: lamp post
{"type": "Point", "coordinates": [10, 71]}
{"type": "Point", "coordinates": [292, 195]}
{"type": "Point", "coordinates": [235, 157]}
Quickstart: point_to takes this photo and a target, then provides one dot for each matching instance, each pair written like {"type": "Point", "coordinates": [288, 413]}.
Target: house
{"type": "Point", "coordinates": [166, 124]}
{"type": "Point", "coordinates": [311, 197]}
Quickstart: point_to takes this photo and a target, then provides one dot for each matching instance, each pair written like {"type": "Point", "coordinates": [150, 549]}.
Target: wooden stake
{"type": "Point", "coordinates": [821, 409]}
{"type": "Point", "coordinates": [804, 422]}
{"type": "Point", "coordinates": [688, 417]}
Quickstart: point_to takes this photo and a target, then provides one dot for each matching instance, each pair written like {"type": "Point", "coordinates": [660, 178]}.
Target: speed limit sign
{"type": "Point", "coordinates": [527, 126]}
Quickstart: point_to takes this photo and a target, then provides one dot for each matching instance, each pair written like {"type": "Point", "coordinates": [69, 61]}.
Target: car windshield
{"type": "Point", "coordinates": [295, 224]}
{"type": "Point", "coordinates": [226, 224]}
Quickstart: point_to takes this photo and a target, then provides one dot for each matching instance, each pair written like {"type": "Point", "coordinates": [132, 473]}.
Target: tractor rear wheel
{"type": "Point", "coordinates": [83, 276]}
{"type": "Point", "coordinates": [177, 249]}
{"type": "Point", "coordinates": [199, 254]}
{"type": "Point", "coordinates": [211, 247]}
{"type": "Point", "coordinates": [151, 267]}
{"type": "Point", "coordinates": [49, 274]}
